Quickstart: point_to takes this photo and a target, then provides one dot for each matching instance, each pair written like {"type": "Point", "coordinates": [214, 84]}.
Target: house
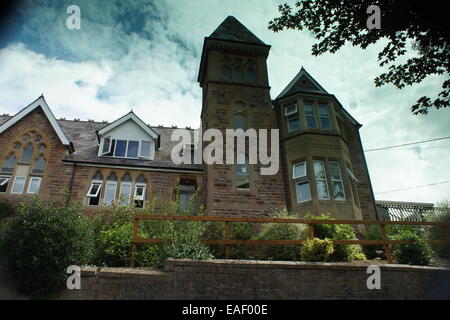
{"type": "Point", "coordinates": [322, 165]}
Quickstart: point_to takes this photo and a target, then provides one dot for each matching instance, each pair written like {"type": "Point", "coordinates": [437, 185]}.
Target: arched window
{"type": "Point", "coordinates": [39, 165]}
{"type": "Point", "coordinates": [242, 172]}
{"type": "Point", "coordinates": [9, 164]}
{"type": "Point", "coordinates": [139, 192]}
{"type": "Point", "coordinates": [27, 154]}
{"type": "Point", "coordinates": [94, 190]}
{"type": "Point", "coordinates": [125, 190]}
{"type": "Point", "coordinates": [110, 189]}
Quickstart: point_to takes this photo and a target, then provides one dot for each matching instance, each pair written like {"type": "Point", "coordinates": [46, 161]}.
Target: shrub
{"type": "Point", "coordinates": [6, 209]}
{"type": "Point", "coordinates": [281, 231]}
{"type": "Point", "coordinates": [342, 252]}
{"type": "Point", "coordinates": [436, 232]}
{"type": "Point", "coordinates": [42, 241]}
{"type": "Point", "coordinates": [372, 233]}
{"type": "Point", "coordinates": [214, 231]}
{"type": "Point", "coordinates": [417, 253]}
{"type": "Point", "coordinates": [242, 231]}
{"type": "Point", "coordinates": [316, 250]}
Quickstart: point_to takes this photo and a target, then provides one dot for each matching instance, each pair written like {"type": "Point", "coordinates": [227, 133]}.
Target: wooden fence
{"type": "Point", "coordinates": [227, 241]}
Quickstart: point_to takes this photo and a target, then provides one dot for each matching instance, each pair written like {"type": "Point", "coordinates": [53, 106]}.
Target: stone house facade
{"type": "Point", "coordinates": [321, 161]}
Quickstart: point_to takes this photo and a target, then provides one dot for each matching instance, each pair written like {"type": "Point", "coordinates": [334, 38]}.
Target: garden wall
{"type": "Point", "coordinates": [239, 279]}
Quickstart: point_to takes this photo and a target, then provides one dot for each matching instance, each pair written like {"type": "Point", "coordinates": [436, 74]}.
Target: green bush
{"type": "Point", "coordinates": [436, 232]}
{"type": "Point", "coordinates": [316, 250]}
{"type": "Point", "coordinates": [42, 241]}
{"type": "Point", "coordinates": [342, 252]}
{"type": "Point", "coordinates": [372, 233]}
{"type": "Point", "coordinates": [214, 231]}
{"type": "Point", "coordinates": [242, 231]}
{"type": "Point", "coordinates": [6, 209]}
{"type": "Point", "coordinates": [417, 253]}
{"type": "Point", "coordinates": [281, 231]}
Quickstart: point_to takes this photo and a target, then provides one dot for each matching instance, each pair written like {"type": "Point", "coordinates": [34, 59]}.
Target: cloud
{"type": "Point", "coordinates": [145, 55]}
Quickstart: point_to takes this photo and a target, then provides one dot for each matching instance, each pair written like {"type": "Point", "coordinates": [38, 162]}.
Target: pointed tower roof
{"type": "Point", "coordinates": [231, 29]}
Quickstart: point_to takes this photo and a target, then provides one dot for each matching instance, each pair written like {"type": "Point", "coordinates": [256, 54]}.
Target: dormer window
{"type": "Point", "coordinates": [127, 148]}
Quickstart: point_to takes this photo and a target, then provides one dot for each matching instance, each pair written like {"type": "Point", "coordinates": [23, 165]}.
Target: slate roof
{"type": "Point", "coordinates": [231, 29]}
{"type": "Point", "coordinates": [83, 135]}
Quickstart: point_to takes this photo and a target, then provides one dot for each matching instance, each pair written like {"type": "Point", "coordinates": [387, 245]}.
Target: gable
{"type": "Point", "coordinates": [128, 130]}
{"type": "Point", "coordinates": [38, 103]}
{"type": "Point", "coordinates": [303, 81]}
{"type": "Point", "coordinates": [130, 121]}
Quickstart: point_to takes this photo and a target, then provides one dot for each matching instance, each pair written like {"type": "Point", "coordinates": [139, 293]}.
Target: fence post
{"type": "Point", "coordinates": [227, 237]}
{"type": "Point", "coordinates": [446, 235]}
{"type": "Point", "coordinates": [133, 244]}
{"type": "Point", "coordinates": [310, 231]}
{"type": "Point", "coordinates": [387, 248]}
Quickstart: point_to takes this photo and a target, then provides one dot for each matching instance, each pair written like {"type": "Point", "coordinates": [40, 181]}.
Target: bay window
{"type": "Point", "coordinates": [337, 186]}
{"type": "Point", "coordinates": [324, 116]}
{"type": "Point", "coordinates": [321, 180]}
{"type": "Point", "coordinates": [293, 120]}
{"type": "Point", "coordinates": [302, 186]}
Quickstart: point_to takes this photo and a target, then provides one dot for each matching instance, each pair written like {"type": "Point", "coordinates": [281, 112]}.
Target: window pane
{"type": "Point", "coordinates": [309, 111]}
{"type": "Point", "coordinates": [27, 154]}
{"type": "Point", "coordinates": [323, 110]}
{"type": "Point", "coordinates": [9, 164]}
{"type": "Point", "coordinates": [299, 170]}
{"type": "Point", "coordinates": [293, 124]}
{"type": "Point", "coordinates": [226, 72]}
{"type": "Point", "coordinates": [34, 185]}
{"type": "Point", "coordinates": [145, 149]}
{"type": "Point", "coordinates": [319, 170]}
{"type": "Point", "coordinates": [250, 75]}
{"type": "Point", "coordinates": [121, 146]}
{"type": "Point", "coordinates": [238, 74]}
{"type": "Point", "coordinates": [125, 193]}
{"type": "Point", "coordinates": [242, 182]}
{"type": "Point", "coordinates": [338, 191]}
{"type": "Point", "coordinates": [106, 146]}
{"type": "Point", "coordinates": [325, 123]}
{"type": "Point", "coordinates": [133, 147]}
{"type": "Point", "coordinates": [239, 122]}
{"type": "Point", "coordinates": [303, 192]}
{"type": "Point", "coordinates": [322, 190]}
{"type": "Point", "coordinates": [110, 193]}
{"type": "Point", "coordinates": [291, 109]}
{"type": "Point", "coordinates": [19, 184]}
{"type": "Point", "coordinates": [311, 122]}
{"type": "Point", "coordinates": [334, 171]}
{"type": "Point", "coordinates": [185, 197]}
{"type": "Point", "coordinates": [4, 182]}
{"type": "Point", "coordinates": [39, 166]}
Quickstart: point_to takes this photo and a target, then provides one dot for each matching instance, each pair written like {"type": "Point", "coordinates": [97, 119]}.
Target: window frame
{"type": "Point", "coordinates": [304, 170]}
{"type": "Point", "coordinates": [106, 190]}
{"type": "Point", "coordinates": [290, 116]}
{"type": "Point", "coordinates": [297, 183]}
{"type": "Point", "coordinates": [89, 195]}
{"type": "Point", "coordinates": [247, 164]}
{"type": "Point", "coordinates": [341, 180]}
{"type": "Point", "coordinates": [7, 181]}
{"type": "Point", "coordinates": [313, 115]}
{"type": "Point", "coordinates": [23, 187]}
{"type": "Point", "coordinates": [129, 183]}
{"type": "Point", "coordinates": [325, 179]}
{"type": "Point", "coordinates": [325, 105]}
{"type": "Point", "coordinates": [39, 179]}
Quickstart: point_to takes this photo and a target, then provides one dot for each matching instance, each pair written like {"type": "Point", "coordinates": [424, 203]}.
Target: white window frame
{"type": "Point", "coordinates": [120, 191]}
{"type": "Point", "coordinates": [114, 183]}
{"type": "Point", "coordinates": [324, 179]}
{"type": "Point", "coordinates": [286, 113]}
{"type": "Point", "coordinates": [304, 170]}
{"type": "Point", "coordinates": [38, 186]}
{"type": "Point", "coordinates": [89, 194]}
{"type": "Point", "coordinates": [341, 181]}
{"type": "Point", "coordinates": [149, 156]}
{"type": "Point", "coordinates": [7, 180]}
{"type": "Point", "coordinates": [23, 187]}
{"type": "Point", "coordinates": [140, 185]}
{"type": "Point", "coordinates": [103, 146]}
{"type": "Point", "coordinates": [296, 192]}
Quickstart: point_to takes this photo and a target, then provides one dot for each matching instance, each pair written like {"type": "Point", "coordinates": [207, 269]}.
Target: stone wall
{"type": "Point", "coordinates": [234, 279]}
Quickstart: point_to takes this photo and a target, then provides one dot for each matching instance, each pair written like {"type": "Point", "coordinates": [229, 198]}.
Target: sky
{"type": "Point", "coordinates": [144, 55]}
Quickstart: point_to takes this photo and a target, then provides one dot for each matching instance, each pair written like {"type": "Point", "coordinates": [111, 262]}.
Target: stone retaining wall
{"type": "Point", "coordinates": [239, 279]}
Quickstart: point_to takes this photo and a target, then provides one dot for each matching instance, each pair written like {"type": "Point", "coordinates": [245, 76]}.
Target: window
{"type": "Point", "coordinates": [239, 122]}
{"type": "Point", "coordinates": [250, 71]}
{"type": "Point", "coordinates": [242, 172]}
{"type": "Point", "coordinates": [110, 192]}
{"type": "Point", "coordinates": [139, 195]}
{"type": "Point", "coordinates": [337, 186]}
{"type": "Point", "coordinates": [39, 166]}
{"type": "Point", "coordinates": [310, 116]}
{"type": "Point", "coordinates": [4, 182]}
{"type": "Point", "coordinates": [186, 190]}
{"type": "Point", "coordinates": [299, 170]}
{"type": "Point", "coordinates": [27, 154]}
{"type": "Point", "coordinates": [324, 117]}
{"type": "Point", "coordinates": [238, 73]}
{"type": "Point", "coordinates": [133, 149]}
{"type": "Point", "coordinates": [125, 193]}
{"type": "Point", "coordinates": [34, 185]}
{"type": "Point", "coordinates": [106, 146]}
{"type": "Point", "coordinates": [321, 180]}
{"type": "Point", "coordinates": [94, 191]}
{"type": "Point", "coordinates": [121, 148]}
{"type": "Point", "coordinates": [9, 164]}
{"type": "Point", "coordinates": [303, 191]}
{"type": "Point", "coordinates": [291, 113]}
{"type": "Point", "coordinates": [146, 148]}
{"type": "Point", "coordinates": [227, 73]}
{"type": "Point", "coordinates": [19, 185]}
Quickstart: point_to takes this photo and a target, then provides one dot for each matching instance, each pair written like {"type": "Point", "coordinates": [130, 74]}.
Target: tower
{"type": "Point", "coordinates": [236, 94]}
